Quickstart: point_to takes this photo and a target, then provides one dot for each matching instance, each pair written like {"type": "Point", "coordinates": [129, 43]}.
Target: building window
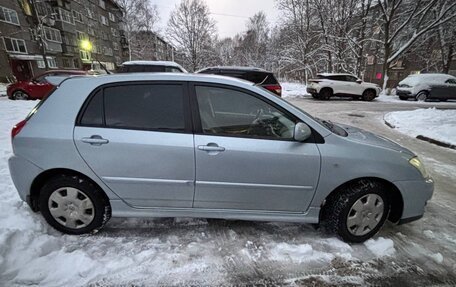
{"type": "Point", "coordinates": [108, 51]}
{"type": "Point", "coordinates": [52, 34]}
{"type": "Point", "coordinates": [8, 16]}
{"type": "Point", "coordinates": [81, 35]}
{"type": "Point", "coordinates": [67, 63]}
{"type": "Point", "coordinates": [84, 55]}
{"type": "Point", "coordinates": [114, 32]}
{"type": "Point", "coordinates": [115, 46]}
{"type": "Point", "coordinates": [78, 16]}
{"type": "Point", "coordinates": [15, 45]}
{"type": "Point", "coordinates": [112, 17]}
{"type": "Point", "coordinates": [370, 60]}
{"type": "Point", "coordinates": [102, 4]}
{"type": "Point", "coordinates": [103, 20]}
{"type": "Point", "coordinates": [64, 15]}
{"type": "Point", "coordinates": [90, 13]}
{"type": "Point", "coordinates": [91, 31]}
{"type": "Point", "coordinates": [51, 63]}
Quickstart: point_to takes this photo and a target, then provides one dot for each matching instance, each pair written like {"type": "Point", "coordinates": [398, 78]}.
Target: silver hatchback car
{"type": "Point", "coordinates": [181, 145]}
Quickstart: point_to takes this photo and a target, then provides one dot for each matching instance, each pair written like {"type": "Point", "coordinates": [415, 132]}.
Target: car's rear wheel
{"type": "Point", "coordinates": [74, 205]}
{"type": "Point", "coordinates": [20, 95]}
{"type": "Point", "coordinates": [368, 95]}
{"type": "Point", "coordinates": [357, 212]}
{"type": "Point", "coordinates": [325, 94]}
{"type": "Point", "coordinates": [422, 96]}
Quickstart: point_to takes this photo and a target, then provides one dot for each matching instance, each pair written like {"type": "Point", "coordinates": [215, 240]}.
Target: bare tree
{"type": "Point", "coordinates": [140, 18]}
{"type": "Point", "coordinates": [404, 22]}
{"type": "Point", "coordinates": [193, 31]}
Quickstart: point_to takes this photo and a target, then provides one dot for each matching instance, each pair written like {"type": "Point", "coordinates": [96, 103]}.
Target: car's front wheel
{"type": "Point", "coordinates": [422, 96]}
{"type": "Point", "coordinates": [74, 205]}
{"type": "Point", "coordinates": [325, 94]}
{"type": "Point", "coordinates": [20, 95]}
{"type": "Point", "coordinates": [369, 95]}
{"type": "Point", "coordinates": [357, 212]}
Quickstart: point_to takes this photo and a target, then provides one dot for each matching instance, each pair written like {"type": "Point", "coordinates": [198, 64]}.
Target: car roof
{"type": "Point", "coordinates": [235, 68]}
{"type": "Point", "coordinates": [431, 75]}
{"type": "Point", "coordinates": [152, 63]}
{"type": "Point", "coordinates": [334, 74]}
{"type": "Point", "coordinates": [76, 72]}
{"type": "Point", "coordinates": [137, 77]}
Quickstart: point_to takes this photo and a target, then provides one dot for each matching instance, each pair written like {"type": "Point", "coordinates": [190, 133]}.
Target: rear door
{"type": "Point", "coordinates": [137, 138]}
{"type": "Point", "coordinates": [246, 158]}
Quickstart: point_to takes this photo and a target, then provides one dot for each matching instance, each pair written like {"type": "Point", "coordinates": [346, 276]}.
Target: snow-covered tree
{"type": "Point", "coordinates": [139, 19]}
{"type": "Point", "coordinates": [192, 30]}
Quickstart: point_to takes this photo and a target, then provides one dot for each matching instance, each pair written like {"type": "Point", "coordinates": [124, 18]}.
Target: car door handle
{"type": "Point", "coordinates": [210, 148]}
{"type": "Point", "coordinates": [95, 140]}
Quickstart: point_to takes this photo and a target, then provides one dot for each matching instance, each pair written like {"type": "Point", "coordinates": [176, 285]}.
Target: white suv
{"type": "Point", "coordinates": [342, 85]}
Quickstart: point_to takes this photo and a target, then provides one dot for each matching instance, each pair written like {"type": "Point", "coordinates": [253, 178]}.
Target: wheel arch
{"type": "Point", "coordinates": [394, 196]}
{"type": "Point", "coordinates": [43, 177]}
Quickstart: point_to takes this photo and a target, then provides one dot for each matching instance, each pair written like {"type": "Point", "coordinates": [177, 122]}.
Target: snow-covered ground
{"type": "Point", "coordinates": [3, 89]}
{"type": "Point", "coordinates": [294, 90]}
{"type": "Point", "coordinates": [168, 251]}
{"type": "Point", "coordinates": [432, 123]}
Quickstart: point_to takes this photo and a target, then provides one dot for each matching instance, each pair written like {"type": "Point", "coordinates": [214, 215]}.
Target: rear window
{"type": "Point", "coordinates": [140, 106]}
{"type": "Point", "coordinates": [252, 76]}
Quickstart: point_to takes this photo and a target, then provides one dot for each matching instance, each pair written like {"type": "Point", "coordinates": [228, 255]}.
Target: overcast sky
{"type": "Point", "coordinates": [230, 15]}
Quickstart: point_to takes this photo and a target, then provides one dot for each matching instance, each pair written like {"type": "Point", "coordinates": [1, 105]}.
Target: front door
{"type": "Point", "coordinates": [137, 138]}
{"type": "Point", "coordinates": [246, 158]}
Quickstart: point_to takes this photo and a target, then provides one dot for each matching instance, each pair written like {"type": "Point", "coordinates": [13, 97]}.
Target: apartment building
{"type": "Point", "coordinates": [147, 45]}
{"type": "Point", "coordinates": [70, 34]}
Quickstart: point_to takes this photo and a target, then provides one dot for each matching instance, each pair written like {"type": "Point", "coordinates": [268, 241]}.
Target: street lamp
{"type": "Point", "coordinates": [86, 45]}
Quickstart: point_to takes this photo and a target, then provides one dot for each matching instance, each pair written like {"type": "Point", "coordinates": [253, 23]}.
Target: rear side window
{"type": "Point", "coordinates": [140, 106]}
{"type": "Point", "coordinates": [149, 107]}
{"type": "Point", "coordinates": [93, 115]}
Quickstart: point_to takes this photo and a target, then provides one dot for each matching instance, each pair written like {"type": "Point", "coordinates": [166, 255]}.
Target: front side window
{"type": "Point", "coordinates": [145, 107]}
{"type": "Point", "coordinates": [451, 81]}
{"type": "Point", "coordinates": [228, 112]}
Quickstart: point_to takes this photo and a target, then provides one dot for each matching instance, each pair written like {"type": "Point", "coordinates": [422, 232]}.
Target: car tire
{"type": "Point", "coordinates": [315, 96]}
{"type": "Point", "coordinates": [74, 205]}
{"type": "Point", "coordinates": [325, 94]}
{"type": "Point", "coordinates": [422, 96]}
{"type": "Point", "coordinates": [20, 95]}
{"type": "Point", "coordinates": [368, 95]}
{"type": "Point", "coordinates": [403, 98]}
{"type": "Point", "coordinates": [350, 214]}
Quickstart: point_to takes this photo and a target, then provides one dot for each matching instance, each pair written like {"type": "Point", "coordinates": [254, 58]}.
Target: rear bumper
{"type": "Point", "coordinates": [415, 195]}
{"type": "Point", "coordinates": [23, 173]}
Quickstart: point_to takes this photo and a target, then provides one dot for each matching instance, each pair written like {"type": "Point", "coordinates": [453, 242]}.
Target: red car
{"type": "Point", "coordinates": [38, 87]}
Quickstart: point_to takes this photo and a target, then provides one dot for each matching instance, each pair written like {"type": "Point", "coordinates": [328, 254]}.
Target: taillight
{"type": "Point", "coordinates": [17, 128]}
{"type": "Point", "coordinates": [276, 89]}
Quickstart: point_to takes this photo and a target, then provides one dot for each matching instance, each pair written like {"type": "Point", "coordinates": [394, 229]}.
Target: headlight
{"type": "Point", "coordinates": [416, 162]}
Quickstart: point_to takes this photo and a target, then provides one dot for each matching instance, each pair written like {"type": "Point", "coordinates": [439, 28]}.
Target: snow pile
{"type": "Point", "coordinates": [380, 247]}
{"type": "Point", "coordinates": [293, 90]}
{"type": "Point", "coordinates": [3, 89]}
{"type": "Point", "coordinates": [432, 123]}
{"type": "Point", "coordinates": [298, 253]}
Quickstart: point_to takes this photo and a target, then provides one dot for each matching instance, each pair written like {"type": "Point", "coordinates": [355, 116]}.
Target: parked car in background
{"type": "Point", "coordinates": [327, 85]}
{"type": "Point", "coordinates": [188, 145]}
{"type": "Point", "coordinates": [422, 87]}
{"type": "Point", "coordinates": [150, 67]}
{"type": "Point", "coordinates": [39, 87]}
{"type": "Point", "coordinates": [258, 76]}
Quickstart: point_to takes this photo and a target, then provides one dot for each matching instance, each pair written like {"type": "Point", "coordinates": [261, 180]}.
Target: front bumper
{"type": "Point", "coordinates": [312, 91]}
{"type": "Point", "coordinates": [403, 93]}
{"type": "Point", "coordinates": [415, 194]}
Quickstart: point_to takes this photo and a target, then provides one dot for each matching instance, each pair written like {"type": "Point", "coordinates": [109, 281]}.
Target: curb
{"type": "Point", "coordinates": [436, 142]}
{"type": "Point", "coordinates": [424, 138]}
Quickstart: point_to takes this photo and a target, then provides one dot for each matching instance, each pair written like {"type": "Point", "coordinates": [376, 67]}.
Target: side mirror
{"type": "Point", "coordinates": [359, 81]}
{"type": "Point", "coordinates": [302, 132]}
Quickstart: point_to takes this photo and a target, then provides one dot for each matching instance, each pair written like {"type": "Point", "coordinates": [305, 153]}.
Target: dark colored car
{"type": "Point", "coordinates": [150, 67]}
{"type": "Point", "coordinates": [423, 87]}
{"type": "Point", "coordinates": [258, 76]}
{"type": "Point", "coordinates": [38, 87]}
